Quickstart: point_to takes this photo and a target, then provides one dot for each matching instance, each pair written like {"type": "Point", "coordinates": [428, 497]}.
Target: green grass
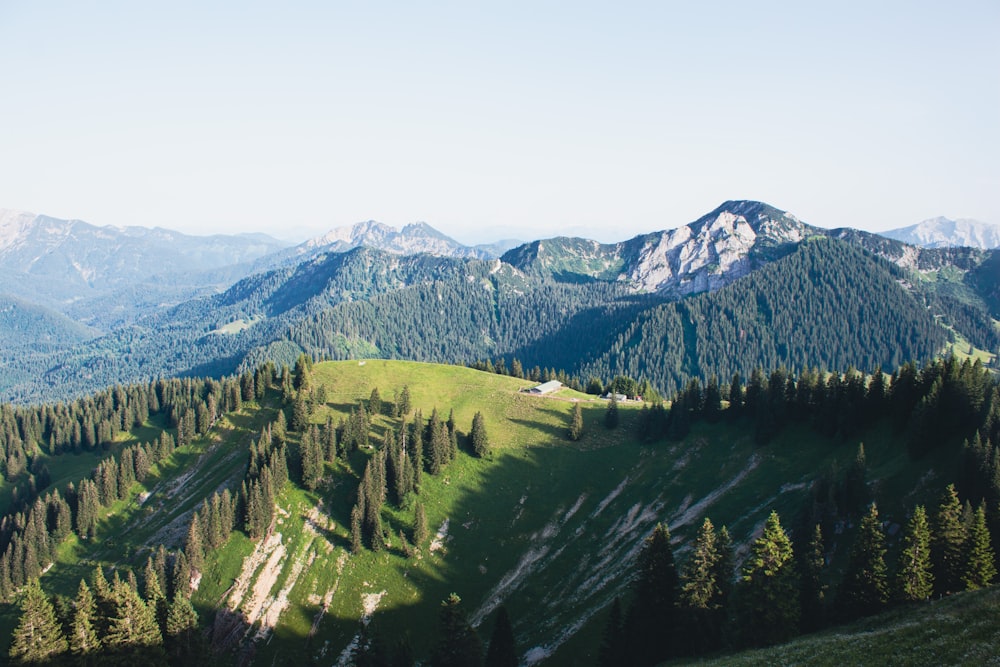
{"type": "Point", "coordinates": [959, 630]}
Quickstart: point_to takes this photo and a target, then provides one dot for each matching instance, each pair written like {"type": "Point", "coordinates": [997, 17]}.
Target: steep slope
{"type": "Point", "coordinates": [942, 232]}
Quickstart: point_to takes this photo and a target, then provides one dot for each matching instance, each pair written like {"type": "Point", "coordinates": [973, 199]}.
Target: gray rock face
{"type": "Point", "coordinates": [413, 239]}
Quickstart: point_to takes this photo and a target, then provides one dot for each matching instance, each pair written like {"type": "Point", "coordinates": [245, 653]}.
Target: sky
{"type": "Point", "coordinates": [497, 120]}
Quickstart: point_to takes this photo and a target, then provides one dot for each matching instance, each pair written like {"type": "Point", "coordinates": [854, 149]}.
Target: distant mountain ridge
{"type": "Point", "coordinates": [705, 255]}
{"type": "Point", "coordinates": [941, 232]}
{"type": "Point", "coordinates": [413, 239]}
{"type": "Point", "coordinates": [66, 264]}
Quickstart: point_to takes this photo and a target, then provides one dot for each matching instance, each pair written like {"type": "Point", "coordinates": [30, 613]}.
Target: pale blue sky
{"type": "Point", "coordinates": [523, 119]}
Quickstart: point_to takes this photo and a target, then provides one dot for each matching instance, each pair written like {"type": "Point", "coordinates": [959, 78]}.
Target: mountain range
{"type": "Point", "coordinates": [942, 232]}
{"type": "Point", "coordinates": [370, 290]}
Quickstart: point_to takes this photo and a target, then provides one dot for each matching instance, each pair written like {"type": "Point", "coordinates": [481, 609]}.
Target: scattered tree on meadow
{"type": "Point", "coordinates": [576, 423]}
{"type": "Point", "coordinates": [611, 414]}
{"type": "Point", "coordinates": [812, 591]}
{"type": "Point", "coordinates": [480, 441]}
{"type": "Point", "coordinates": [613, 649]}
{"type": "Point", "coordinates": [84, 642]}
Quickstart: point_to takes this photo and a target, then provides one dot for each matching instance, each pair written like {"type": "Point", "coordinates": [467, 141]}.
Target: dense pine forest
{"type": "Point", "coordinates": [709, 594]}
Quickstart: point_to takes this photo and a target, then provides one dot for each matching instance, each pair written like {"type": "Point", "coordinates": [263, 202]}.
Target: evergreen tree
{"type": "Point", "coordinates": [948, 545]}
{"type": "Point", "coordinates": [980, 564]}
{"type": "Point", "coordinates": [611, 414]}
{"type": "Point", "coordinates": [84, 641]}
{"type": "Point", "coordinates": [480, 441]}
{"type": "Point", "coordinates": [457, 645]}
{"type": "Point", "coordinates": [501, 651]}
{"type": "Point", "coordinates": [404, 404]}
{"type": "Point", "coordinates": [613, 650]}
{"type": "Point", "coordinates": [855, 487]}
{"type": "Point", "coordinates": [651, 617]}
{"type": "Point", "coordinates": [193, 545]}
{"type": "Point", "coordinates": [865, 589]}
{"type": "Point", "coordinates": [914, 581]}
{"type": "Point", "coordinates": [38, 638]}
{"type": "Point", "coordinates": [768, 588]}
{"type": "Point", "coordinates": [700, 593]}
{"type": "Point", "coordinates": [420, 531]}
{"type": "Point", "coordinates": [812, 592]}
{"type": "Point", "coordinates": [133, 634]}
{"type": "Point", "coordinates": [183, 640]}
{"type": "Point", "coordinates": [375, 403]}
{"type": "Point", "coordinates": [576, 423]}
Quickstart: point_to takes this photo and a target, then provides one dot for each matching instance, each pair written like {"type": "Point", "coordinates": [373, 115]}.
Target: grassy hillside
{"type": "Point", "coordinates": [958, 630]}
{"type": "Point", "coordinates": [545, 526]}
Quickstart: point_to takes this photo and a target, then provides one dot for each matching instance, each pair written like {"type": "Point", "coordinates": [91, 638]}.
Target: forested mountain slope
{"type": "Point", "coordinates": [324, 514]}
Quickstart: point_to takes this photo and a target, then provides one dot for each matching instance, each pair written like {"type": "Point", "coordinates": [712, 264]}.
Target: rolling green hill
{"type": "Point", "coordinates": [547, 527]}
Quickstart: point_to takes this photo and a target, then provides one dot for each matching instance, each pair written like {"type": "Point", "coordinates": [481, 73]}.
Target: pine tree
{"type": "Point", "coordinates": [193, 546]}
{"type": "Point", "coordinates": [613, 650]}
{"type": "Point", "coordinates": [576, 423]}
{"type": "Point", "coordinates": [133, 633]}
{"type": "Point", "coordinates": [84, 641]}
{"type": "Point", "coordinates": [501, 651]}
{"type": "Point", "coordinates": [375, 402]}
{"type": "Point", "coordinates": [480, 440]}
{"type": "Point", "coordinates": [356, 516]}
{"type": "Point", "coordinates": [865, 589]}
{"type": "Point", "coordinates": [914, 581]}
{"type": "Point", "coordinates": [768, 588]}
{"type": "Point", "coordinates": [420, 531]}
{"type": "Point", "coordinates": [611, 415]}
{"type": "Point", "coordinates": [457, 645]}
{"type": "Point", "coordinates": [700, 594]}
{"type": "Point", "coordinates": [651, 617]}
{"type": "Point", "coordinates": [812, 592]}
{"type": "Point", "coordinates": [404, 404]}
{"type": "Point", "coordinates": [183, 640]}
{"type": "Point", "coordinates": [38, 638]}
{"type": "Point", "coordinates": [980, 564]}
{"type": "Point", "coordinates": [948, 545]}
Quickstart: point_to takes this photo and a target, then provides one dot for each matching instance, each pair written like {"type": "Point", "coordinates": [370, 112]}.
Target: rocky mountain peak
{"type": "Point", "coordinates": [942, 232]}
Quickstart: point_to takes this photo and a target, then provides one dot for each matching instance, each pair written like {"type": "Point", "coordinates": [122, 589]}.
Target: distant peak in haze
{"type": "Point", "coordinates": [414, 238]}
{"type": "Point", "coordinates": [941, 232]}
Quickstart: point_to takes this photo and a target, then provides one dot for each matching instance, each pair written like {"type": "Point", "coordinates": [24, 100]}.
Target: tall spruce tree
{"type": "Point", "coordinates": [914, 580]}
{"type": "Point", "coordinates": [134, 635]}
{"type": "Point", "coordinates": [948, 544]}
{"type": "Point", "coordinates": [980, 564]}
{"type": "Point", "coordinates": [865, 589]}
{"type": "Point", "coordinates": [184, 642]}
{"type": "Point", "coordinates": [38, 638]}
{"type": "Point", "coordinates": [812, 592]}
{"type": "Point", "coordinates": [614, 650]}
{"type": "Point", "coordinates": [84, 642]}
{"type": "Point", "coordinates": [700, 595]}
{"type": "Point", "coordinates": [576, 423]}
{"type": "Point", "coordinates": [650, 623]}
{"type": "Point", "coordinates": [457, 645]}
{"type": "Point", "coordinates": [768, 590]}
{"type": "Point", "coordinates": [480, 440]}
{"type": "Point", "coordinates": [611, 414]}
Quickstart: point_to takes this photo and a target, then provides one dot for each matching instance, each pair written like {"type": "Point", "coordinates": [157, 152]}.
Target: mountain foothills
{"type": "Point", "coordinates": [763, 429]}
{"type": "Point", "coordinates": [722, 294]}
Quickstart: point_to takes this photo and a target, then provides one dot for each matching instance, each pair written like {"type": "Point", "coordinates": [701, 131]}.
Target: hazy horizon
{"type": "Point", "coordinates": [521, 121]}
